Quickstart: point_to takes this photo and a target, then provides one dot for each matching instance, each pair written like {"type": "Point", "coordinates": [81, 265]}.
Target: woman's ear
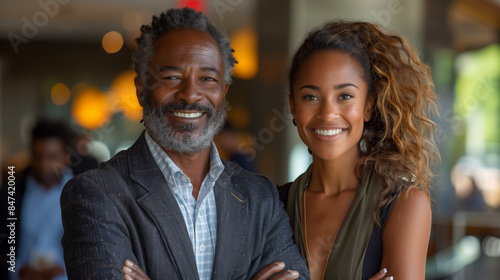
{"type": "Point", "coordinates": [370, 102]}
{"type": "Point", "coordinates": [291, 102]}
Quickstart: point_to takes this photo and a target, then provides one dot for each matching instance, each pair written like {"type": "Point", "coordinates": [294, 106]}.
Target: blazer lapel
{"type": "Point", "coordinates": [232, 226]}
{"type": "Point", "coordinates": [160, 204]}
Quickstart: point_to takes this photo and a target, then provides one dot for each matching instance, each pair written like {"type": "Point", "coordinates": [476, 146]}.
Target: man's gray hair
{"type": "Point", "coordinates": [174, 19]}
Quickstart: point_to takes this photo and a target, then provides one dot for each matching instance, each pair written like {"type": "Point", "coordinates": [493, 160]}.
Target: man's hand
{"type": "Point", "coordinates": [274, 268]}
{"type": "Point", "coordinates": [132, 271]}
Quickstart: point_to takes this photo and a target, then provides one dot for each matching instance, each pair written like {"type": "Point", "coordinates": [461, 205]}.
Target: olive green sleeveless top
{"type": "Point", "coordinates": [347, 256]}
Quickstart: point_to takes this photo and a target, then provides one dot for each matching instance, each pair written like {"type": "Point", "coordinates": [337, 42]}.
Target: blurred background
{"type": "Point", "coordinates": [70, 60]}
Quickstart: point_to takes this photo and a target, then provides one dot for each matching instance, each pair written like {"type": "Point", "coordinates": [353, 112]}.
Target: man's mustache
{"type": "Point", "coordinates": [210, 111]}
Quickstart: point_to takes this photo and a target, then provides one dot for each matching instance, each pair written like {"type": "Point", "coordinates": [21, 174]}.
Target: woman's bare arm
{"type": "Point", "coordinates": [406, 236]}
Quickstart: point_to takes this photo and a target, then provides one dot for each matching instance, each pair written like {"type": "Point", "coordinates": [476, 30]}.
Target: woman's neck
{"type": "Point", "coordinates": [334, 176]}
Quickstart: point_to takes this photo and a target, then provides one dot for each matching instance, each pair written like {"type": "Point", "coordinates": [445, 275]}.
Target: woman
{"type": "Point", "coordinates": [361, 101]}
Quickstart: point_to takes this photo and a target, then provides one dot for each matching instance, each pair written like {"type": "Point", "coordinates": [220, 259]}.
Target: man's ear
{"type": "Point", "coordinates": [139, 90]}
{"type": "Point", "coordinates": [370, 102]}
{"type": "Point", "coordinates": [226, 87]}
{"type": "Point", "coordinates": [291, 102]}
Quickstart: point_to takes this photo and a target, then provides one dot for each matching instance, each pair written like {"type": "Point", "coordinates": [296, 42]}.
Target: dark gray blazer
{"type": "Point", "coordinates": [124, 210]}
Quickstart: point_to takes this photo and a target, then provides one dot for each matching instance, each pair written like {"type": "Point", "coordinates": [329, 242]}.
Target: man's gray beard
{"type": "Point", "coordinates": [185, 141]}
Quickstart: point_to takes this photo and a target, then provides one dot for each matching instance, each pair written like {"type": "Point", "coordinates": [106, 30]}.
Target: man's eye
{"type": "Point", "coordinates": [208, 79]}
{"type": "Point", "coordinates": [170, 78]}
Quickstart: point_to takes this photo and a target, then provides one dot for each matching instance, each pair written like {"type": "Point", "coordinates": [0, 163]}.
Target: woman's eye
{"type": "Point", "coordinates": [310, 98]}
{"type": "Point", "coordinates": [345, 96]}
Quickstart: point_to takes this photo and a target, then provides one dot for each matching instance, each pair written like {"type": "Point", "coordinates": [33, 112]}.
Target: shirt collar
{"type": "Point", "coordinates": [170, 169]}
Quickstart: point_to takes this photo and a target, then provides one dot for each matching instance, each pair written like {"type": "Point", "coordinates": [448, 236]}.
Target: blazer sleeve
{"type": "Point", "coordinates": [279, 245]}
{"type": "Point", "coordinates": [95, 240]}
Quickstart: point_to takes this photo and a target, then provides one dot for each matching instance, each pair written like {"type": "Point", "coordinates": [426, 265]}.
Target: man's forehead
{"type": "Point", "coordinates": [187, 46]}
{"type": "Point", "coordinates": [186, 38]}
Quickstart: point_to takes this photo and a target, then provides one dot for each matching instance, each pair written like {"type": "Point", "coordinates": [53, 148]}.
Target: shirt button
{"type": "Point", "coordinates": [202, 248]}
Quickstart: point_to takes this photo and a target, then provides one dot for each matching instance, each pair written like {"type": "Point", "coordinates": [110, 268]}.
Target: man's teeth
{"type": "Point", "coordinates": [187, 115]}
{"type": "Point", "coordinates": [328, 132]}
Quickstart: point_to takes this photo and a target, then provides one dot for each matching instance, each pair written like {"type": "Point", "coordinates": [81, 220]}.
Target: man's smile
{"type": "Point", "coordinates": [187, 115]}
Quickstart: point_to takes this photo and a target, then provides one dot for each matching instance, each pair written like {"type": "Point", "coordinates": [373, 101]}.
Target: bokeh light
{"type": "Point", "coordinates": [491, 246]}
{"type": "Point", "coordinates": [112, 42]}
{"type": "Point", "coordinates": [198, 5]}
{"type": "Point", "coordinates": [60, 94]}
{"type": "Point", "coordinates": [123, 96]}
{"type": "Point", "coordinates": [244, 43]}
{"type": "Point", "coordinates": [99, 150]}
{"type": "Point", "coordinates": [240, 117]}
{"type": "Point", "coordinates": [91, 109]}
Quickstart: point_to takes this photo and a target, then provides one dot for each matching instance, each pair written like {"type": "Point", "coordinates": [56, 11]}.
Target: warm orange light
{"type": "Point", "coordinates": [244, 43]}
{"type": "Point", "coordinates": [240, 116]}
{"type": "Point", "coordinates": [91, 109]}
{"type": "Point", "coordinates": [60, 94]}
{"type": "Point", "coordinates": [123, 96]}
{"type": "Point", "coordinates": [112, 42]}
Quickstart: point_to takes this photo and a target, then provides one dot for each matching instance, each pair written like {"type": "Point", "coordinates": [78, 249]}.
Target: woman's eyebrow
{"type": "Point", "coordinates": [309, 87]}
{"type": "Point", "coordinates": [341, 86]}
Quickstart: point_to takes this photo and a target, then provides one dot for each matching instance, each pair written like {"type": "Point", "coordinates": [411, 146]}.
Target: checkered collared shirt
{"type": "Point", "coordinates": [200, 215]}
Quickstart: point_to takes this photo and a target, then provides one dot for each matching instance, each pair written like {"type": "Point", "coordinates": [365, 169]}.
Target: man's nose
{"type": "Point", "coordinates": [189, 91]}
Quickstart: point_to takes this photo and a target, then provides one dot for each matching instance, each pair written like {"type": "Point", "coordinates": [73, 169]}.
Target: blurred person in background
{"type": "Point", "coordinates": [39, 230]}
{"type": "Point", "coordinates": [228, 142]}
{"type": "Point", "coordinates": [463, 179]}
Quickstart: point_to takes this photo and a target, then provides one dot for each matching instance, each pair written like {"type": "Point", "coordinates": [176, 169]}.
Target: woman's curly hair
{"type": "Point", "coordinates": [398, 141]}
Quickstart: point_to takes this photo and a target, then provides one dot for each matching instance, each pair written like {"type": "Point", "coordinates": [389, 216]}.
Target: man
{"type": "Point", "coordinates": [169, 203]}
{"type": "Point", "coordinates": [39, 254]}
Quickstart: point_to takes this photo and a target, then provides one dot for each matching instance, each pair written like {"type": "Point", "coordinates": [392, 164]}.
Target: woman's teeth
{"type": "Point", "coordinates": [328, 132]}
